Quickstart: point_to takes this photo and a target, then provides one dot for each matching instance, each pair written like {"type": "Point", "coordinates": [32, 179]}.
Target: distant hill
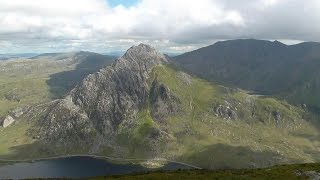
{"type": "Point", "coordinates": [289, 71]}
{"type": "Point", "coordinates": [16, 56]}
{"type": "Point", "coordinates": [114, 53]}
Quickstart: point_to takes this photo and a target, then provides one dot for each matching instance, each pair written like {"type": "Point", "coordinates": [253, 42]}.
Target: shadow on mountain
{"type": "Point", "coordinates": [28, 151]}
{"type": "Point", "coordinates": [314, 139]}
{"type": "Point", "coordinates": [222, 156]}
{"type": "Point", "coordinates": [62, 82]}
{"type": "Point", "coordinates": [305, 135]}
{"type": "Point", "coordinates": [314, 154]}
{"type": "Point", "coordinates": [38, 150]}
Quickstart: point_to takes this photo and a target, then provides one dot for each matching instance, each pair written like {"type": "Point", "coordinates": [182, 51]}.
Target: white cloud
{"type": "Point", "coordinates": [172, 25]}
{"type": "Point", "coordinates": [269, 2]}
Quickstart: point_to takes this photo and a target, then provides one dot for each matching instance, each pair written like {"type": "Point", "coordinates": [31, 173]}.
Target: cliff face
{"type": "Point", "coordinates": [118, 91]}
{"type": "Point", "coordinates": [103, 100]}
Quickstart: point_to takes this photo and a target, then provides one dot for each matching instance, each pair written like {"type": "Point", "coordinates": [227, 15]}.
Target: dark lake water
{"type": "Point", "coordinates": [74, 167]}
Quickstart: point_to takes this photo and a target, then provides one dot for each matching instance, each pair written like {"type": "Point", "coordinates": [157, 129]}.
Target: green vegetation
{"type": "Point", "coordinates": [264, 131]}
{"type": "Point", "coordinates": [13, 136]}
{"type": "Point", "coordinates": [295, 171]}
{"type": "Point", "coordinates": [23, 83]}
{"type": "Point", "coordinates": [253, 138]}
{"type": "Point", "coordinates": [136, 138]}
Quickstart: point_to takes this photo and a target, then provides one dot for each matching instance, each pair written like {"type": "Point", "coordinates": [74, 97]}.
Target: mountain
{"type": "Point", "coordinates": [264, 67]}
{"type": "Point", "coordinates": [103, 100]}
{"type": "Point", "coordinates": [142, 106]}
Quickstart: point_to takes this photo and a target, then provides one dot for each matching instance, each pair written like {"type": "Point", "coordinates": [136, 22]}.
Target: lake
{"type": "Point", "coordinates": [75, 167]}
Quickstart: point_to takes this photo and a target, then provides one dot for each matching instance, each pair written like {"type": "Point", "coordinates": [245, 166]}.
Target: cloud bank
{"type": "Point", "coordinates": [171, 25]}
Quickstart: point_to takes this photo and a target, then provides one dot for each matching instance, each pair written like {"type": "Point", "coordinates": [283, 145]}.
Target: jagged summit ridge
{"type": "Point", "coordinates": [105, 99]}
{"type": "Point", "coordinates": [134, 65]}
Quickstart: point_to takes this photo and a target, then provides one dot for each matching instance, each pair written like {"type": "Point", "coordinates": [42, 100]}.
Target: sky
{"type": "Point", "coordinates": [37, 26]}
{"type": "Point", "coordinates": [125, 3]}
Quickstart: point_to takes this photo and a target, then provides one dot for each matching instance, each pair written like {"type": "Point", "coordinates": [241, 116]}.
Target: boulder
{"type": "Point", "coordinates": [7, 121]}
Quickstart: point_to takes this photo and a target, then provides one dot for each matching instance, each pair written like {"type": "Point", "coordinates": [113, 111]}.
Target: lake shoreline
{"type": "Point", "coordinates": [81, 166]}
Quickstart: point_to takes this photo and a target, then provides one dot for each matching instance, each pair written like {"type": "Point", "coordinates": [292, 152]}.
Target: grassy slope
{"type": "Point", "coordinates": [135, 139]}
{"type": "Point", "coordinates": [14, 135]}
{"type": "Point", "coordinates": [201, 138]}
{"type": "Point", "coordinates": [276, 172]}
{"type": "Point", "coordinates": [26, 80]}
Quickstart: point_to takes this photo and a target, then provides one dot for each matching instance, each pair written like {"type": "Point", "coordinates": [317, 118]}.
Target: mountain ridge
{"type": "Point", "coordinates": [257, 65]}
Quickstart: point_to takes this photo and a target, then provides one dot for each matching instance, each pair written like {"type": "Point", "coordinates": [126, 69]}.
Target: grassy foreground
{"type": "Point", "coordinates": [296, 171]}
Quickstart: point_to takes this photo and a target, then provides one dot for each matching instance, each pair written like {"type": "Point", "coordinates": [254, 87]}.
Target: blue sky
{"type": "Point", "coordinates": [126, 3]}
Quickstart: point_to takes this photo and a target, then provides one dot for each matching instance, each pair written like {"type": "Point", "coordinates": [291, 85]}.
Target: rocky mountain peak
{"type": "Point", "coordinates": [103, 100]}
{"type": "Point", "coordinates": [144, 53]}
{"type": "Point", "coordinates": [141, 48]}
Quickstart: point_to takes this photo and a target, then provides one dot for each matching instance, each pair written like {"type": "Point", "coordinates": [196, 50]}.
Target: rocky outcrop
{"type": "Point", "coordinates": [225, 112]}
{"type": "Point", "coordinates": [12, 97]}
{"type": "Point", "coordinates": [7, 121]}
{"type": "Point", "coordinates": [163, 102]}
{"type": "Point", "coordinates": [277, 116]}
{"type": "Point", "coordinates": [119, 91]}
{"type": "Point", "coordinates": [64, 123]}
{"type": "Point", "coordinates": [98, 105]}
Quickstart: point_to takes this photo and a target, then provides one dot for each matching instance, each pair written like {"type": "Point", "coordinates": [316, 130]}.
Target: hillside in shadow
{"type": "Point", "coordinates": [223, 156]}
{"type": "Point", "coordinates": [62, 82]}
